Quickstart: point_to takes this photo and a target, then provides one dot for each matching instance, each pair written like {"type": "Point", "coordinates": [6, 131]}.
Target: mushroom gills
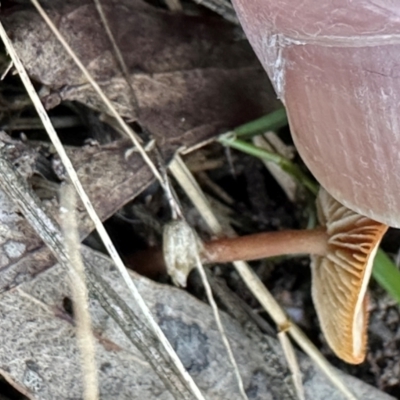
{"type": "Point", "coordinates": [340, 278]}
{"type": "Point", "coordinates": [360, 323]}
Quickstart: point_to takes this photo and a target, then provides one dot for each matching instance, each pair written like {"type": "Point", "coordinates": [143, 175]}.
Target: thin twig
{"type": "Point", "coordinates": [89, 207]}
{"type": "Point", "coordinates": [28, 123]}
{"type": "Point", "coordinates": [292, 363]}
{"type": "Point", "coordinates": [220, 326]}
{"type": "Point", "coordinates": [80, 295]}
{"type": "Point", "coordinates": [6, 71]}
{"type": "Point", "coordinates": [196, 195]}
{"type": "Point", "coordinates": [118, 55]}
{"type": "Point", "coordinates": [253, 282]}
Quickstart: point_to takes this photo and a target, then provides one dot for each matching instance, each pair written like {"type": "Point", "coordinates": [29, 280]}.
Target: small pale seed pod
{"type": "Point", "coordinates": [181, 249]}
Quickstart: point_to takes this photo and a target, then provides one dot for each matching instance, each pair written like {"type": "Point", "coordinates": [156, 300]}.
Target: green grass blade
{"type": "Point", "coordinates": [386, 274]}
{"type": "Point", "coordinates": [288, 166]}
{"type": "Point", "coordinates": [270, 122]}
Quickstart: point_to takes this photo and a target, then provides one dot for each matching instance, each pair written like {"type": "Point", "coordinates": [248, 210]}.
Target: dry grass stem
{"type": "Point", "coordinates": [286, 181]}
{"type": "Point", "coordinates": [6, 71]}
{"type": "Point", "coordinates": [91, 211]}
{"type": "Point", "coordinates": [220, 326]}
{"type": "Point", "coordinates": [186, 179]}
{"type": "Point", "coordinates": [190, 186]}
{"type": "Point", "coordinates": [292, 363]}
{"type": "Point", "coordinates": [216, 189]}
{"type": "Point", "coordinates": [80, 294]}
{"type": "Point", "coordinates": [221, 7]}
{"type": "Point", "coordinates": [118, 55]}
{"type": "Point", "coordinates": [35, 300]}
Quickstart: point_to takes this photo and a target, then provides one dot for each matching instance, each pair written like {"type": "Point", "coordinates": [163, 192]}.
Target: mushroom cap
{"type": "Point", "coordinates": [335, 66]}
{"type": "Point", "coordinates": [340, 279]}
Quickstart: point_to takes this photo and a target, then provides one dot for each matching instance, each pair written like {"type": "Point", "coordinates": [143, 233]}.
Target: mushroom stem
{"type": "Point", "coordinates": [250, 247]}
{"type": "Point", "coordinates": [266, 244]}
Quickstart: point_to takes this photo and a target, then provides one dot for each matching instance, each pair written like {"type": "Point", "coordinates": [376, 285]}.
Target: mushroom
{"type": "Point", "coordinates": [342, 255]}
{"type": "Point", "coordinates": [335, 66]}
{"type": "Point", "coordinates": [342, 252]}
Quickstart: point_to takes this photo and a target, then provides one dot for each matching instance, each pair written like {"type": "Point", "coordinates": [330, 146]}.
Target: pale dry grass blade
{"type": "Point", "coordinates": [188, 182]}
{"type": "Point", "coordinates": [138, 333]}
{"type": "Point", "coordinates": [93, 215]}
{"type": "Point", "coordinates": [286, 181]}
{"type": "Point", "coordinates": [190, 186]}
{"type": "Point", "coordinates": [220, 326]}
{"type": "Point", "coordinates": [221, 7]}
{"type": "Point", "coordinates": [122, 124]}
{"type": "Point", "coordinates": [117, 54]}
{"type": "Point", "coordinates": [293, 364]}
{"type": "Point", "coordinates": [6, 71]}
{"type": "Point", "coordinates": [80, 294]}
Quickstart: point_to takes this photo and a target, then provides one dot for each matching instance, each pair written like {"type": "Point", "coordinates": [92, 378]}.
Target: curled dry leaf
{"type": "Point", "coordinates": [190, 75]}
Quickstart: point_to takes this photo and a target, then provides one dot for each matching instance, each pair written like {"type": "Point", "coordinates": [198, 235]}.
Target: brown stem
{"type": "Point", "coordinates": [251, 247]}
{"type": "Point", "coordinates": [266, 244]}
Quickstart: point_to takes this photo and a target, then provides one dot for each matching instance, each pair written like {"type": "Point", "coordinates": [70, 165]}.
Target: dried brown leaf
{"type": "Point", "coordinates": [110, 178]}
{"type": "Point", "coordinates": [190, 75]}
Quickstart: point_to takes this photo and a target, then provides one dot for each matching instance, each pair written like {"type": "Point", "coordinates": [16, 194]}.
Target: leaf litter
{"type": "Point", "coordinates": [193, 77]}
